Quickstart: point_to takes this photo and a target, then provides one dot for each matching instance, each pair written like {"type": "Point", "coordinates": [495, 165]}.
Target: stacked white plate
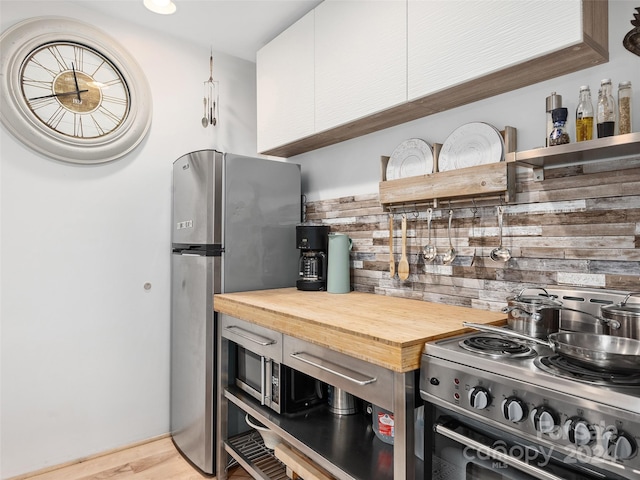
{"type": "Point", "coordinates": [469, 145]}
{"type": "Point", "coordinates": [411, 158]}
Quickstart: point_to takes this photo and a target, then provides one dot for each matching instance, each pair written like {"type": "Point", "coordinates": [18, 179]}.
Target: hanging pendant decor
{"type": "Point", "coordinates": [632, 40]}
{"type": "Point", "coordinates": [210, 100]}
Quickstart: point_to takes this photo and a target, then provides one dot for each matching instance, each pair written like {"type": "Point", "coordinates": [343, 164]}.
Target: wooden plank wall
{"type": "Point", "coordinates": [579, 226]}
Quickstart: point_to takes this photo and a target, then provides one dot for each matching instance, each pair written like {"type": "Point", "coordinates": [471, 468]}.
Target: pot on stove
{"type": "Point", "coordinates": [626, 315]}
{"type": "Point", "coordinates": [533, 315]}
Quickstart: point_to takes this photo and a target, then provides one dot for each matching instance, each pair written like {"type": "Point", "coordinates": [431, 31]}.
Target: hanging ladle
{"type": "Point", "coordinates": [429, 251]}
{"type": "Point", "coordinates": [500, 253]}
{"type": "Point", "coordinates": [451, 253]}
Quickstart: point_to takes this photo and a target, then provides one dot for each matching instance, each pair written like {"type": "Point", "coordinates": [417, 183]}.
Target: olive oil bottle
{"type": "Point", "coordinates": [584, 115]}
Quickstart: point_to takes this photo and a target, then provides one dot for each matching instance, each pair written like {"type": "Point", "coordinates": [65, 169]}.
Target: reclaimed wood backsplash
{"type": "Point", "coordinates": [579, 226]}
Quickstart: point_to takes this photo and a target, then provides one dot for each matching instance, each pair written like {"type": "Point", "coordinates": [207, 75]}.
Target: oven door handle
{"type": "Point", "coordinates": [241, 332]}
{"type": "Point", "coordinates": [334, 369]}
{"type": "Point", "coordinates": [495, 454]}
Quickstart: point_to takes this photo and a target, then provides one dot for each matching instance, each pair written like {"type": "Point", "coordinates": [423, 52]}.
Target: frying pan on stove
{"type": "Point", "coordinates": [602, 352]}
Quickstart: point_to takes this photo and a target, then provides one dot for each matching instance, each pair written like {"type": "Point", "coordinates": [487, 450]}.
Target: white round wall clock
{"type": "Point", "coordinates": [71, 92]}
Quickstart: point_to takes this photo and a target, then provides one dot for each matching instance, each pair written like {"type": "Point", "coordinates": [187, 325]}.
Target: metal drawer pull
{"type": "Point", "coordinates": [241, 332]}
{"type": "Point", "coordinates": [334, 369]}
{"type": "Point", "coordinates": [495, 454]}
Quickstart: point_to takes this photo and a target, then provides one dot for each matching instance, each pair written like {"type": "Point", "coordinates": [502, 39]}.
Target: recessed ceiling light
{"type": "Point", "coordinates": [165, 7]}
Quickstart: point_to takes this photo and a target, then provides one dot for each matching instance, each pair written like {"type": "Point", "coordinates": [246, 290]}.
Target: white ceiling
{"type": "Point", "coordinates": [236, 27]}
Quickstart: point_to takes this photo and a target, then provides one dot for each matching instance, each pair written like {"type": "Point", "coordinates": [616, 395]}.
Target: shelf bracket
{"type": "Point", "coordinates": [538, 174]}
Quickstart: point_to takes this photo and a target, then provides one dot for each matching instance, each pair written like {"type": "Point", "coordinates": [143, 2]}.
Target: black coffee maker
{"type": "Point", "coordinates": [312, 240]}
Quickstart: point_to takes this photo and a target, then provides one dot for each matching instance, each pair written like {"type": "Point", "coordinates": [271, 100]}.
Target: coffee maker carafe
{"type": "Point", "coordinates": [312, 241]}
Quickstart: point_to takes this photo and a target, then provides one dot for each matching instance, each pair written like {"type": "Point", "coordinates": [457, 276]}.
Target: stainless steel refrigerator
{"type": "Point", "coordinates": [234, 221]}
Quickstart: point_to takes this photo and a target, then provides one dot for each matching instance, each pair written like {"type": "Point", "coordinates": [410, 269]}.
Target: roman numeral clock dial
{"type": "Point", "coordinates": [83, 96]}
{"type": "Point", "coordinates": [75, 90]}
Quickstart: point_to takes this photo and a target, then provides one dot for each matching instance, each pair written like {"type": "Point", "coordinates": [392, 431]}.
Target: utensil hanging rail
{"type": "Point", "coordinates": [457, 204]}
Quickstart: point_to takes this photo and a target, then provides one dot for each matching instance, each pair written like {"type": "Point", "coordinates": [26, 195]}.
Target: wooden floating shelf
{"type": "Point", "coordinates": [499, 178]}
{"type": "Point", "coordinates": [494, 179]}
{"type": "Point", "coordinates": [482, 180]}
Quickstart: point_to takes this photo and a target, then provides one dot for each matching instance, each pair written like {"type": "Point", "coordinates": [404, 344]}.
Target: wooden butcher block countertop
{"type": "Point", "coordinates": [386, 331]}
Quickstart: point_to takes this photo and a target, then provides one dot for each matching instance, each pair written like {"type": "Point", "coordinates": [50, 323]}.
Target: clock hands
{"type": "Point", "coordinates": [64, 94]}
{"type": "Point", "coordinates": [77, 91]}
{"type": "Point", "coordinates": [75, 79]}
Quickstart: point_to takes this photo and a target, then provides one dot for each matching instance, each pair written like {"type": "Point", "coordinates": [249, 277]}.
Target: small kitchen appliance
{"type": "Point", "coordinates": [312, 241]}
{"type": "Point", "coordinates": [504, 408]}
{"type": "Point", "coordinates": [338, 274]}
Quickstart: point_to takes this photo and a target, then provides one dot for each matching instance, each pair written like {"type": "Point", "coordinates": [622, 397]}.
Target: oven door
{"type": "Point", "coordinates": [464, 450]}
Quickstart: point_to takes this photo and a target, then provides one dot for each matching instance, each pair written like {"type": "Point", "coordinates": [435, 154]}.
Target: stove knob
{"type": "Point", "coordinates": [619, 445]}
{"type": "Point", "coordinates": [543, 419]}
{"type": "Point", "coordinates": [579, 431]}
{"type": "Point", "coordinates": [514, 409]}
{"type": "Point", "coordinates": [479, 398]}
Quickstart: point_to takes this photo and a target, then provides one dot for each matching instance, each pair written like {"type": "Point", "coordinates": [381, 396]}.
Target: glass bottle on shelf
{"type": "Point", "coordinates": [559, 135]}
{"type": "Point", "coordinates": [584, 115]}
{"type": "Point", "coordinates": [606, 110]}
{"type": "Point", "coordinates": [624, 108]}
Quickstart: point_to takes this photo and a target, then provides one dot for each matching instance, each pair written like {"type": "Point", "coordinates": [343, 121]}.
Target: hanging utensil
{"type": "Point", "coordinates": [451, 253]}
{"type": "Point", "coordinates": [500, 253]}
{"type": "Point", "coordinates": [392, 261]}
{"type": "Point", "coordinates": [205, 119]}
{"type": "Point", "coordinates": [429, 251]}
{"type": "Point", "coordinates": [210, 89]}
{"type": "Point", "coordinates": [403, 264]}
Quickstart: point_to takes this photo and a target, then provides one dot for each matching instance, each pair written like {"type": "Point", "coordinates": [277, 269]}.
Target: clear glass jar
{"type": "Point", "coordinates": [624, 108]}
{"type": "Point", "coordinates": [584, 115]}
{"type": "Point", "coordinates": [606, 110]}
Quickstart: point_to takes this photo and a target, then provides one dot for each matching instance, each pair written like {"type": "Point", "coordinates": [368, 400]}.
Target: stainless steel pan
{"type": "Point", "coordinates": [603, 352]}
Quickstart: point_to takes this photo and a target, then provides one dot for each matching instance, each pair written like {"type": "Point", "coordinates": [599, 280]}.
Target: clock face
{"type": "Point", "coordinates": [74, 90]}
{"type": "Point", "coordinates": [71, 92]}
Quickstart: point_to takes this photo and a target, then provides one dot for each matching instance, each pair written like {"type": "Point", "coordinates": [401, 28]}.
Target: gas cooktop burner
{"type": "Point", "coordinates": [563, 367]}
{"type": "Point", "coordinates": [496, 346]}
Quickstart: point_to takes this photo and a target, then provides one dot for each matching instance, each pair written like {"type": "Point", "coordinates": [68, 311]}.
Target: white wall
{"type": "Point", "coordinates": [358, 160]}
{"type": "Point", "coordinates": [84, 347]}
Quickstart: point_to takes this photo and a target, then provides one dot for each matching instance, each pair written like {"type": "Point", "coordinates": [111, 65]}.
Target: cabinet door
{"type": "Point", "coordinates": [451, 42]}
{"type": "Point", "coordinates": [360, 51]}
{"type": "Point", "coordinates": [284, 74]}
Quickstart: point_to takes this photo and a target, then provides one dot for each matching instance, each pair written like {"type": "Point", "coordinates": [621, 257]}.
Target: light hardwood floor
{"type": "Point", "coordinates": [155, 460]}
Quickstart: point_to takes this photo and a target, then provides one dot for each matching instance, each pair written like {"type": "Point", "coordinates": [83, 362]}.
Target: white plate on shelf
{"type": "Point", "coordinates": [411, 158]}
{"type": "Point", "coordinates": [469, 145]}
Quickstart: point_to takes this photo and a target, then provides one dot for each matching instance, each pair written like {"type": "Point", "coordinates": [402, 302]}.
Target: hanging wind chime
{"type": "Point", "coordinates": [210, 100]}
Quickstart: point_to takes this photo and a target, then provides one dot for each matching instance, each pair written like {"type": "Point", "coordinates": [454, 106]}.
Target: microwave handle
{"type": "Point", "coordinates": [241, 332]}
{"type": "Point", "coordinates": [495, 454]}
{"type": "Point", "coordinates": [345, 373]}
{"type": "Point", "coordinates": [263, 380]}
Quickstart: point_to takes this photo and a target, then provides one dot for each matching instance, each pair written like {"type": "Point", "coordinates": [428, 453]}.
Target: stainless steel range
{"type": "Point", "coordinates": [504, 408]}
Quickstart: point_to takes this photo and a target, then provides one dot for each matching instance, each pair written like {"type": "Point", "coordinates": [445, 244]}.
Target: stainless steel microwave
{"type": "Point", "coordinates": [258, 369]}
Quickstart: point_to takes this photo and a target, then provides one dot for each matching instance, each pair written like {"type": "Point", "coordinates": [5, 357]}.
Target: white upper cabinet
{"type": "Point", "coordinates": [285, 86]}
{"type": "Point", "coordinates": [451, 42]}
{"type": "Point", "coordinates": [361, 59]}
{"type": "Point", "coordinates": [352, 67]}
